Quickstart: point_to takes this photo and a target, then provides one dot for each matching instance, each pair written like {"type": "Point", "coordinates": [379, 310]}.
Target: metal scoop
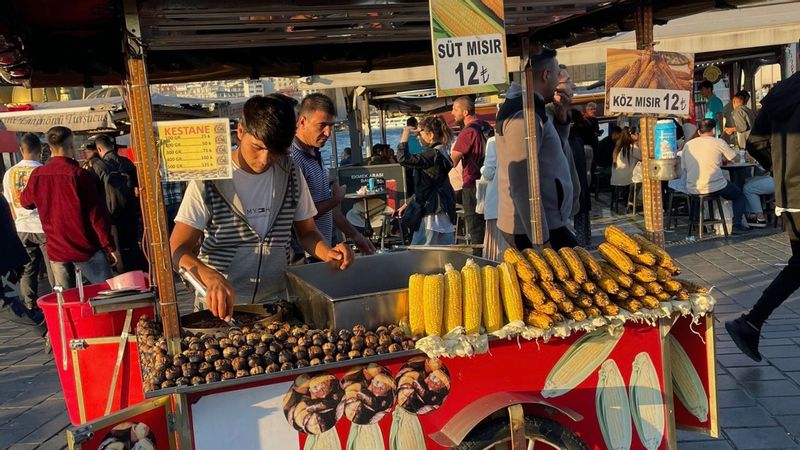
{"type": "Point", "coordinates": [201, 290]}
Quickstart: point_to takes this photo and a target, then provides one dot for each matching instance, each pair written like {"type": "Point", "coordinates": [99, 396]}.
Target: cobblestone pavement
{"type": "Point", "coordinates": [759, 402]}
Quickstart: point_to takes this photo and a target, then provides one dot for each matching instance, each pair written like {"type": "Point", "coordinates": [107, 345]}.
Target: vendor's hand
{"type": "Point", "coordinates": [730, 131]}
{"type": "Point", "coordinates": [364, 245]}
{"type": "Point", "coordinates": [341, 256]}
{"type": "Point", "coordinates": [219, 293]}
{"type": "Point", "coordinates": [400, 210]}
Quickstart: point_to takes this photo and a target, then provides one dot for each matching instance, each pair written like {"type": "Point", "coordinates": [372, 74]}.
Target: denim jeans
{"type": "Point", "coordinates": [754, 187]}
{"type": "Point", "coordinates": [424, 236]}
{"type": "Point", "coordinates": [97, 270]}
{"type": "Point", "coordinates": [733, 193]}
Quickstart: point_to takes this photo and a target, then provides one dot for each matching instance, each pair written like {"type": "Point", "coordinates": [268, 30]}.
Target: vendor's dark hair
{"type": "Point", "coordinates": [31, 143]}
{"type": "Point", "coordinates": [317, 102]}
{"type": "Point", "coordinates": [543, 60]}
{"type": "Point", "coordinates": [707, 126]}
{"type": "Point", "coordinates": [437, 126]}
{"type": "Point", "coordinates": [271, 120]}
{"type": "Point", "coordinates": [56, 136]}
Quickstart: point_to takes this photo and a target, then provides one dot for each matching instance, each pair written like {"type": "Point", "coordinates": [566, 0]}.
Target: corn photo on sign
{"type": "Point", "coordinates": [196, 149]}
{"type": "Point", "coordinates": [648, 82]}
{"type": "Point", "coordinates": [469, 46]}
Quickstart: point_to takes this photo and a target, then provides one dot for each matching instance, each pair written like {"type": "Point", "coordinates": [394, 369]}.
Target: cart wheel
{"type": "Point", "coordinates": [541, 434]}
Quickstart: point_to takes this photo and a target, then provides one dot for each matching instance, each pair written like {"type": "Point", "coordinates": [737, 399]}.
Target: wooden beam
{"type": "Point", "coordinates": [537, 232]}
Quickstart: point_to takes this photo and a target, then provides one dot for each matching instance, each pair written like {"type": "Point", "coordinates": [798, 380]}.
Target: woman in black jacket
{"type": "Point", "coordinates": [432, 209]}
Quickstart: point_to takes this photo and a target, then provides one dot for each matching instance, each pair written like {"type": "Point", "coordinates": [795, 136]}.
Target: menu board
{"type": "Point", "coordinates": [197, 149]}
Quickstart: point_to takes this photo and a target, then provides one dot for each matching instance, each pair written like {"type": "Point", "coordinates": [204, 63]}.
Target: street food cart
{"type": "Point", "coordinates": [570, 386]}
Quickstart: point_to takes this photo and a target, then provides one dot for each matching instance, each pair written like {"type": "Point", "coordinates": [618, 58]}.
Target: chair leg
{"type": "Point", "coordinates": [690, 200]}
{"type": "Point", "coordinates": [635, 191]}
{"type": "Point", "coordinates": [669, 211]}
{"type": "Point", "coordinates": [702, 214]}
{"type": "Point", "coordinates": [722, 216]}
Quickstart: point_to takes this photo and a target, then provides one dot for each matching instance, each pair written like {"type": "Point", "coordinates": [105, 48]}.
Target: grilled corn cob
{"type": "Point", "coordinates": [593, 312]}
{"type": "Point", "coordinates": [686, 382]}
{"type": "Point", "coordinates": [663, 258]}
{"type": "Point", "coordinates": [682, 295]}
{"type": "Point", "coordinates": [579, 361]}
{"type": "Point", "coordinates": [525, 271]}
{"type": "Point", "coordinates": [672, 286]}
{"type": "Point", "coordinates": [622, 240]}
{"type": "Point", "coordinates": [473, 297]}
{"type": "Point", "coordinates": [632, 305]}
{"type": "Point", "coordinates": [565, 307]}
{"type": "Point", "coordinates": [538, 320]}
{"type": "Point", "coordinates": [649, 302]}
{"type": "Point", "coordinates": [601, 299]}
{"type": "Point", "coordinates": [662, 274]}
{"type": "Point", "coordinates": [610, 309]}
{"type": "Point", "coordinates": [608, 285]}
{"type": "Point", "coordinates": [589, 287]}
{"type": "Point", "coordinates": [539, 264]}
{"type": "Point", "coordinates": [623, 280]}
{"type": "Point", "coordinates": [555, 262]}
{"type": "Point", "coordinates": [584, 301]}
{"type": "Point", "coordinates": [616, 258]}
{"type": "Point", "coordinates": [512, 255]}
{"type": "Point", "coordinates": [492, 312]}
{"type": "Point", "coordinates": [589, 263]}
{"type": "Point", "coordinates": [577, 315]}
{"type": "Point", "coordinates": [433, 291]}
{"type": "Point", "coordinates": [664, 296]}
{"type": "Point", "coordinates": [643, 274]}
{"type": "Point", "coordinates": [692, 287]}
{"type": "Point", "coordinates": [612, 407]}
{"type": "Point", "coordinates": [510, 292]}
{"type": "Point", "coordinates": [453, 299]}
{"type": "Point", "coordinates": [553, 291]}
{"type": "Point", "coordinates": [637, 290]}
{"type": "Point", "coordinates": [574, 264]}
{"type": "Point", "coordinates": [572, 288]}
{"type": "Point", "coordinates": [532, 295]}
{"type": "Point", "coordinates": [558, 318]}
{"type": "Point", "coordinates": [621, 295]}
{"type": "Point", "coordinates": [647, 403]}
{"type": "Point", "coordinates": [416, 304]}
{"type": "Point", "coordinates": [653, 288]}
{"type": "Point", "coordinates": [645, 258]}
{"type": "Point", "coordinates": [549, 307]}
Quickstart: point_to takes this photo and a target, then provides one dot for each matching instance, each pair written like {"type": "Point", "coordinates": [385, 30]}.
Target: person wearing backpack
{"type": "Point", "coordinates": [120, 186]}
{"type": "Point", "coordinates": [470, 150]}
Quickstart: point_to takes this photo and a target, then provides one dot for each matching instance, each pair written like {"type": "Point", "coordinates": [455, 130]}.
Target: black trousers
{"type": "Point", "coordinates": [34, 244]}
{"type": "Point", "coordinates": [786, 282]}
{"type": "Point", "coordinates": [126, 238]}
{"type": "Point", "coordinates": [476, 224]}
{"type": "Point", "coordinates": [559, 237]}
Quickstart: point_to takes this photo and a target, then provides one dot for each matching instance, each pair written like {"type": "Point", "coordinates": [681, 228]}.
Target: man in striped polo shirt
{"type": "Point", "coordinates": [315, 120]}
{"type": "Point", "coordinates": [246, 222]}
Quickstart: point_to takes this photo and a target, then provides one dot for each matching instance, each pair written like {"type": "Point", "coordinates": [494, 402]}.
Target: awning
{"type": "Point", "coordinates": [77, 119]}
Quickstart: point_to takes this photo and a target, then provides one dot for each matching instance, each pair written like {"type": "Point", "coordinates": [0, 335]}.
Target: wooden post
{"type": "Point", "coordinates": [651, 189]}
{"type": "Point", "coordinates": [534, 188]}
{"type": "Point", "coordinates": [147, 168]}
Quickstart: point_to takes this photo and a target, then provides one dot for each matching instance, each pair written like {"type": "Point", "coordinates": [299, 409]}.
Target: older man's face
{"type": "Point", "coordinates": [591, 111]}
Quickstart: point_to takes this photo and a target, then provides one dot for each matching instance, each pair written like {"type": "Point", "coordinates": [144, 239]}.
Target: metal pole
{"type": "Point", "coordinates": [537, 233]}
{"type": "Point", "coordinates": [383, 127]}
{"type": "Point", "coordinates": [651, 189]}
{"type": "Point", "coordinates": [366, 125]}
{"type": "Point", "coordinates": [334, 148]}
{"type": "Point", "coordinates": [143, 141]}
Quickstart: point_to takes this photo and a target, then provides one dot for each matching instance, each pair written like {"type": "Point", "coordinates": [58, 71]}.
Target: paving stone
{"type": "Point", "coordinates": [726, 382]}
{"type": "Point", "coordinates": [767, 342]}
{"type": "Point", "coordinates": [760, 438]}
{"type": "Point", "coordinates": [728, 350]}
{"type": "Point", "coordinates": [734, 398]}
{"type": "Point", "coordinates": [719, 444]}
{"type": "Point", "coordinates": [779, 334]}
{"type": "Point", "coordinates": [752, 416]}
{"type": "Point", "coordinates": [791, 423]}
{"type": "Point", "coordinates": [774, 388]}
{"type": "Point", "coordinates": [795, 376]}
{"type": "Point", "coordinates": [739, 360]}
{"type": "Point", "coordinates": [53, 427]}
{"type": "Point", "coordinates": [743, 374]}
{"type": "Point", "coordinates": [780, 351]}
{"type": "Point", "coordinates": [692, 436]}
{"type": "Point", "coordinates": [786, 364]}
{"type": "Point", "coordinates": [785, 405]}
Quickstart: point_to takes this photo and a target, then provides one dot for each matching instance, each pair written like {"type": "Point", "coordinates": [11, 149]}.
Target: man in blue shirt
{"type": "Point", "coordinates": [713, 103]}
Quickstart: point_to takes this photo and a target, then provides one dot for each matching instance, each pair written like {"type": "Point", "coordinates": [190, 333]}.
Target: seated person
{"type": "Point", "coordinates": [754, 188]}
{"type": "Point", "coordinates": [378, 155]}
{"type": "Point", "coordinates": [702, 159]}
{"type": "Point", "coordinates": [347, 157]}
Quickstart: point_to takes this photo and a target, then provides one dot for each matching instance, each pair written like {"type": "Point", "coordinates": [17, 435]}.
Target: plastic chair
{"type": "Point", "coordinates": [696, 203]}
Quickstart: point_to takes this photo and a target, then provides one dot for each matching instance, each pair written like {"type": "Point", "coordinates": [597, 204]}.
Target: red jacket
{"type": "Point", "coordinates": [72, 209]}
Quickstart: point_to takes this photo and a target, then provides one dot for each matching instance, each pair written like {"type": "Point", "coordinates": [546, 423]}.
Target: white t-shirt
{"type": "Point", "coordinates": [14, 182]}
{"type": "Point", "coordinates": [702, 158]}
{"type": "Point", "coordinates": [255, 193]}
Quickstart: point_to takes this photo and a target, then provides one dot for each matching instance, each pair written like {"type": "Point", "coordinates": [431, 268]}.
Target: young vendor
{"type": "Point", "coordinates": [246, 222]}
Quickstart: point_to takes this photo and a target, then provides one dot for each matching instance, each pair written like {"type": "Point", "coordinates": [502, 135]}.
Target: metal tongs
{"type": "Point", "coordinates": [201, 291]}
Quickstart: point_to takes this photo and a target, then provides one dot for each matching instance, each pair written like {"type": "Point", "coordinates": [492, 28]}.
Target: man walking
{"type": "Point", "coordinates": [29, 227]}
{"type": "Point", "coordinates": [775, 143]}
{"type": "Point", "coordinates": [469, 149]}
{"type": "Point", "coordinates": [73, 215]}
{"type": "Point", "coordinates": [713, 104]}
{"type": "Point", "coordinates": [317, 117]}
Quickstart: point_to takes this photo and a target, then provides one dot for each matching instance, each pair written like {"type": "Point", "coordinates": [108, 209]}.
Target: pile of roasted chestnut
{"type": "Point", "coordinates": [254, 350]}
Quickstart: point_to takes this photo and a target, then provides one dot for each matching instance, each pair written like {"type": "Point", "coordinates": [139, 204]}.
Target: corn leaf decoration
{"type": "Point", "coordinates": [686, 381]}
{"type": "Point", "coordinates": [613, 409]}
{"type": "Point", "coordinates": [364, 436]}
{"type": "Point", "coordinates": [647, 402]}
{"type": "Point", "coordinates": [406, 431]}
{"type": "Point", "coordinates": [328, 440]}
{"type": "Point", "coordinates": [581, 360]}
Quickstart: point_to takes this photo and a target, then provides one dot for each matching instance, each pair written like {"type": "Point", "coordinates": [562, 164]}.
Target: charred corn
{"type": "Point", "coordinates": [579, 361]}
{"type": "Point", "coordinates": [549, 307]}
{"type": "Point", "coordinates": [682, 295]}
{"type": "Point", "coordinates": [601, 299]}
{"type": "Point", "coordinates": [510, 292]}
{"type": "Point", "coordinates": [565, 307]}
{"type": "Point", "coordinates": [453, 299]}
{"type": "Point", "coordinates": [653, 288]}
{"type": "Point", "coordinates": [662, 275]}
{"type": "Point", "coordinates": [492, 313]}
{"type": "Point", "coordinates": [574, 264]}
{"type": "Point", "coordinates": [613, 408]}
{"type": "Point", "coordinates": [553, 291]}
{"type": "Point", "coordinates": [643, 274]}
{"type": "Point", "coordinates": [672, 286]}
{"type": "Point", "coordinates": [622, 240]}
{"type": "Point", "coordinates": [621, 295]}
{"type": "Point", "coordinates": [616, 258]}
{"type": "Point", "coordinates": [555, 262]}
{"type": "Point", "coordinates": [647, 403]}
{"type": "Point", "coordinates": [664, 296]}
{"type": "Point", "coordinates": [592, 312]}
{"type": "Point", "coordinates": [589, 263]}
{"type": "Point", "coordinates": [608, 285]}
{"type": "Point", "coordinates": [571, 288]}
{"type": "Point", "coordinates": [434, 304]}
{"type": "Point", "coordinates": [645, 258]}
{"type": "Point", "coordinates": [538, 320]}
{"type": "Point", "coordinates": [525, 271]}
{"type": "Point", "coordinates": [637, 290]}
{"type": "Point", "coordinates": [610, 309]}
{"type": "Point", "coordinates": [512, 255]}
{"type": "Point", "coordinates": [539, 264]}
{"type": "Point", "coordinates": [532, 295]}
{"type": "Point", "coordinates": [623, 280]}
{"type": "Point", "coordinates": [416, 303]}
{"type": "Point", "coordinates": [473, 297]}
{"type": "Point", "coordinates": [558, 318]}
{"type": "Point", "coordinates": [663, 258]}
{"type": "Point", "coordinates": [589, 287]}
{"type": "Point", "coordinates": [692, 287]}
{"type": "Point", "coordinates": [686, 382]}
{"type": "Point", "coordinates": [577, 315]}
{"type": "Point", "coordinates": [584, 301]}
{"type": "Point", "coordinates": [632, 305]}
{"type": "Point", "coordinates": [649, 302]}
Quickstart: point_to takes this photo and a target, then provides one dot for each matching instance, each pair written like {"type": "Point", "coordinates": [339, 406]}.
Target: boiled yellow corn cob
{"type": "Point", "coordinates": [453, 299]}
{"type": "Point", "coordinates": [577, 315]}
{"type": "Point", "coordinates": [539, 264]}
{"type": "Point", "coordinates": [647, 403]}
{"type": "Point", "coordinates": [538, 320]}
{"type": "Point", "coordinates": [579, 361]}
{"type": "Point", "coordinates": [662, 274]}
{"type": "Point", "coordinates": [459, 21]}
{"type": "Point", "coordinates": [473, 297]}
{"type": "Point", "coordinates": [601, 299]}
{"type": "Point", "coordinates": [633, 305]}
{"type": "Point", "coordinates": [653, 288]}
{"type": "Point", "coordinates": [622, 240]}
{"type": "Point", "coordinates": [571, 288]}
{"type": "Point", "coordinates": [565, 307]}
{"type": "Point", "coordinates": [608, 285]}
{"type": "Point", "coordinates": [548, 307]}
{"type": "Point", "coordinates": [672, 286]}
{"type": "Point", "coordinates": [434, 304]}
{"type": "Point", "coordinates": [496, 6]}
{"type": "Point", "coordinates": [416, 303]}
{"type": "Point", "coordinates": [686, 382]}
{"type": "Point", "coordinates": [612, 407]}
{"type": "Point", "coordinates": [553, 291]}
{"type": "Point", "coordinates": [589, 287]}
{"type": "Point", "coordinates": [664, 296]}
{"type": "Point", "coordinates": [643, 274]}
{"type": "Point", "coordinates": [645, 258]}
{"type": "Point", "coordinates": [610, 310]}
{"type": "Point", "coordinates": [637, 290]}
{"type": "Point", "coordinates": [589, 263]}
{"type": "Point", "coordinates": [510, 292]}
{"type": "Point", "coordinates": [492, 313]}
{"type": "Point", "coordinates": [692, 287]}
{"type": "Point", "coordinates": [556, 263]}
{"type": "Point", "coordinates": [532, 295]}
{"type": "Point", "coordinates": [593, 312]}
{"type": "Point", "coordinates": [649, 302]}
{"type": "Point", "coordinates": [584, 301]}
{"type": "Point", "coordinates": [623, 280]}
{"type": "Point", "coordinates": [574, 264]}
{"type": "Point", "coordinates": [616, 258]}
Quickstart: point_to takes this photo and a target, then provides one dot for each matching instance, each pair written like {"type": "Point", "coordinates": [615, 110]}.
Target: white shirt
{"type": "Point", "coordinates": [255, 193]}
{"type": "Point", "coordinates": [702, 158]}
{"type": "Point", "coordinates": [14, 182]}
{"type": "Point", "coordinates": [488, 172]}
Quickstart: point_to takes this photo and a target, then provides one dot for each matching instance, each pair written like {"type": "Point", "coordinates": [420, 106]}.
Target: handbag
{"type": "Point", "coordinates": [481, 186]}
{"type": "Point", "coordinates": [412, 218]}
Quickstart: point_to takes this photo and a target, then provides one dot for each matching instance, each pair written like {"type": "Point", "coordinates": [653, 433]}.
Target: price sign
{"type": "Point", "coordinates": [468, 59]}
{"type": "Point", "coordinates": [648, 82]}
{"type": "Point", "coordinates": [195, 149]}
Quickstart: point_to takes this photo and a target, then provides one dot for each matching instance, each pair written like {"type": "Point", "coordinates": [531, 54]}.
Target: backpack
{"type": "Point", "coordinates": [119, 189]}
